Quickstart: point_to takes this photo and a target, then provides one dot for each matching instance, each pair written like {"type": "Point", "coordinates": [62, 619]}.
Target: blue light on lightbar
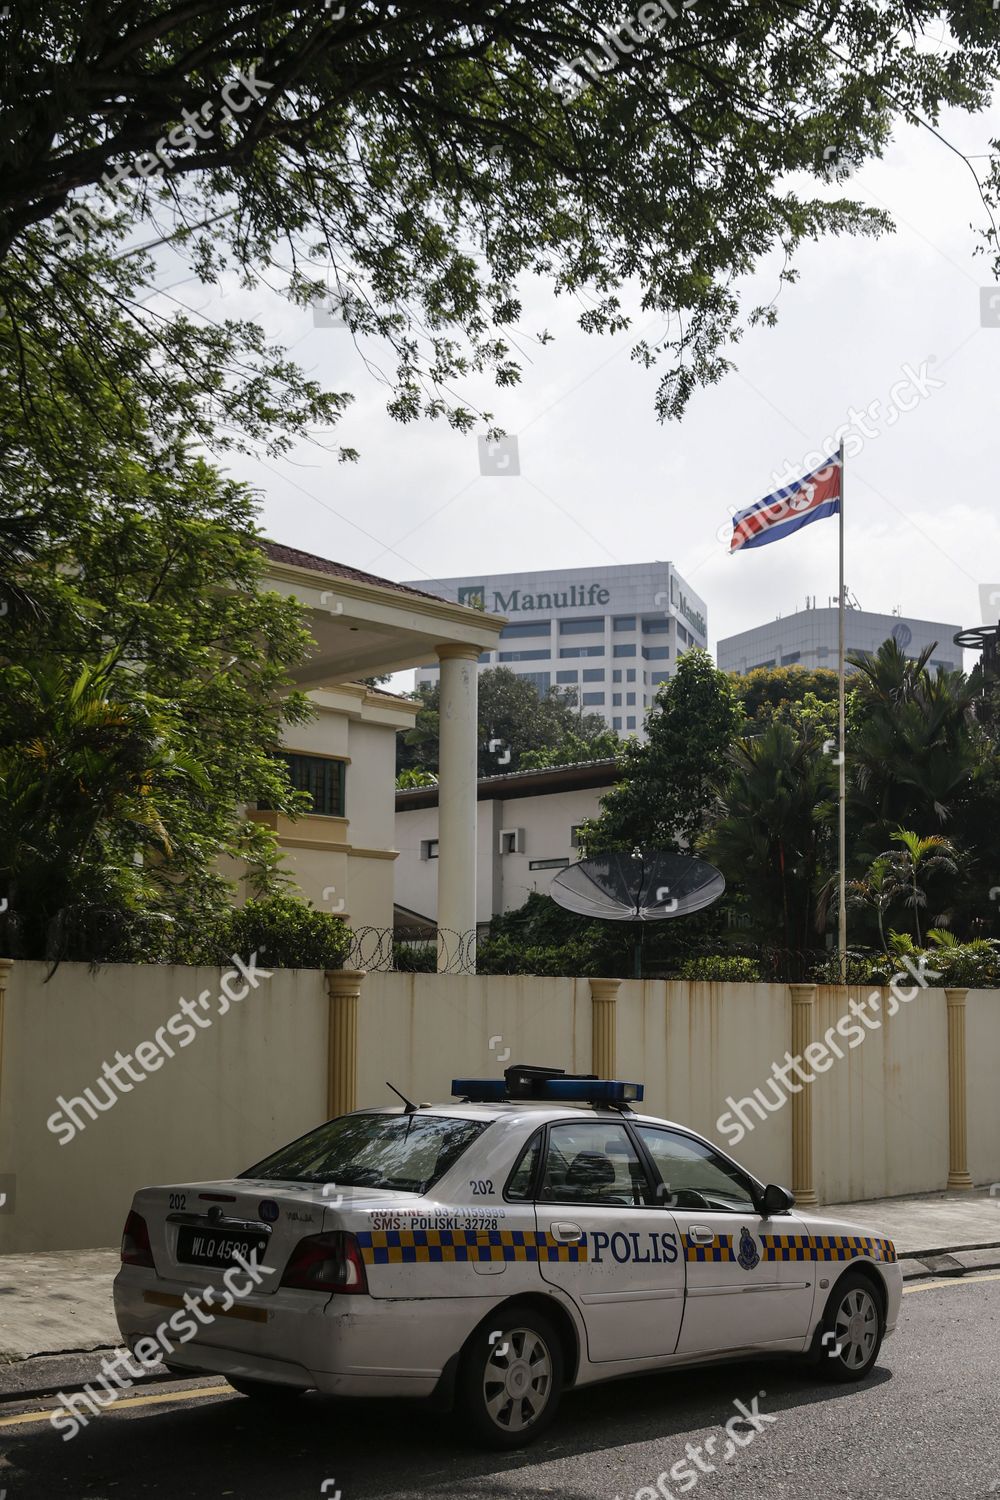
{"type": "Point", "coordinates": [568, 1090]}
{"type": "Point", "coordinates": [486, 1089]}
{"type": "Point", "coordinates": [596, 1091]}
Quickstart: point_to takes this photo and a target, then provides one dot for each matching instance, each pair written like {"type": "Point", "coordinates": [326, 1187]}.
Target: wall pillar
{"type": "Point", "coordinates": [803, 1009]}
{"type": "Point", "coordinates": [343, 987]}
{"type": "Point", "coordinates": [604, 1028]}
{"type": "Point", "coordinates": [457, 804]}
{"type": "Point", "coordinates": [6, 964]}
{"type": "Point", "coordinates": [958, 1136]}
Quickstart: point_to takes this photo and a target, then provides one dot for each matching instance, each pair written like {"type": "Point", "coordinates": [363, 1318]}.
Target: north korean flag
{"type": "Point", "coordinates": [812, 498]}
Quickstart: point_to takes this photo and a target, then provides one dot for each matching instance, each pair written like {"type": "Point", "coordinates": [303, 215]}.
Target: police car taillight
{"type": "Point", "coordinates": [136, 1249]}
{"type": "Point", "coordinates": [327, 1263]}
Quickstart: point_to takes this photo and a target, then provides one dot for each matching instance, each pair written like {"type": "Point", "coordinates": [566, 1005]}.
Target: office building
{"type": "Point", "coordinates": [808, 638]}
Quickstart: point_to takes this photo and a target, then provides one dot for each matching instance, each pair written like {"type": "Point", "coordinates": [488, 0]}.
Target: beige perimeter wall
{"type": "Point", "coordinates": [260, 1074]}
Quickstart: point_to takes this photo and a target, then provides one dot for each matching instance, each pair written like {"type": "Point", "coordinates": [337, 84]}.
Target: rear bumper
{"type": "Point", "coordinates": [341, 1345]}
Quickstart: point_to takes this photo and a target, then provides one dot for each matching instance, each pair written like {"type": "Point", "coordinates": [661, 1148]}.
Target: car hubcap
{"type": "Point", "coordinates": [517, 1380]}
{"type": "Point", "coordinates": [856, 1328]}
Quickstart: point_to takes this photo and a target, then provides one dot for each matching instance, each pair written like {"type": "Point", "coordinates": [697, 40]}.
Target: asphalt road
{"type": "Point", "coordinates": [927, 1424]}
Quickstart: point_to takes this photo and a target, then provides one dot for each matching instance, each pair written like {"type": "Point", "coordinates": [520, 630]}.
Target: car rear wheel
{"type": "Point", "coordinates": [853, 1327]}
{"type": "Point", "coordinates": [265, 1390]}
{"type": "Point", "coordinates": [511, 1379]}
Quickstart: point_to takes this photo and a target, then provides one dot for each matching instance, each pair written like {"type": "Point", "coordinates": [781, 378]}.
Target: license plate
{"type": "Point", "coordinates": [218, 1247]}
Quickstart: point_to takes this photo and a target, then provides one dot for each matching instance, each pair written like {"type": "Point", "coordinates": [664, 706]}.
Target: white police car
{"type": "Point", "coordinates": [491, 1253]}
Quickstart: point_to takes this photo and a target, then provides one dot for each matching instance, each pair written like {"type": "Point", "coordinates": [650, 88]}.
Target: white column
{"type": "Point", "coordinates": [457, 776]}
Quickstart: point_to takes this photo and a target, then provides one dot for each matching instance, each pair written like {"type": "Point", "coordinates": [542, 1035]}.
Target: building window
{"type": "Point", "coordinates": [656, 653]}
{"type": "Point", "coordinates": [659, 677]}
{"type": "Point", "coordinates": [567, 677]}
{"type": "Point", "coordinates": [593, 699]}
{"type": "Point", "coordinates": [630, 675]}
{"type": "Point", "coordinates": [616, 723]}
{"type": "Point", "coordinates": [683, 635]}
{"type": "Point", "coordinates": [525, 655]}
{"type": "Point", "coordinates": [428, 848]}
{"type": "Point", "coordinates": [583, 650]}
{"type": "Point", "coordinates": [789, 657]}
{"type": "Point", "coordinates": [581, 627]}
{"type": "Point", "coordinates": [548, 864]}
{"type": "Point", "coordinates": [574, 835]}
{"type": "Point", "coordinates": [593, 674]}
{"type": "Point", "coordinates": [525, 627]}
{"type": "Point", "coordinates": [616, 700]}
{"type": "Point", "coordinates": [630, 722]}
{"type": "Point", "coordinates": [322, 777]}
{"type": "Point", "coordinates": [628, 650]}
{"type": "Point", "coordinates": [762, 664]}
{"type": "Point", "coordinates": [541, 680]}
{"type": "Point", "coordinates": [630, 700]}
{"type": "Point", "coordinates": [623, 622]}
{"type": "Point", "coordinates": [656, 625]}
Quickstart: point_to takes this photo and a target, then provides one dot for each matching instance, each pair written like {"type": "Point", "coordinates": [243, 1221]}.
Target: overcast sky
{"type": "Point", "coordinates": [603, 482]}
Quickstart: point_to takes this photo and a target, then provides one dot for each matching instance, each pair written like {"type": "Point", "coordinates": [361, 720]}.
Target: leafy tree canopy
{"type": "Point", "coordinates": [514, 723]}
{"type": "Point", "coordinates": [668, 784]}
{"type": "Point", "coordinates": [418, 160]}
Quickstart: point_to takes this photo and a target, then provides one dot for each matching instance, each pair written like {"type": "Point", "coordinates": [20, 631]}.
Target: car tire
{"type": "Point", "coordinates": [265, 1390]}
{"type": "Point", "coordinates": [853, 1329]}
{"type": "Point", "coordinates": [510, 1378]}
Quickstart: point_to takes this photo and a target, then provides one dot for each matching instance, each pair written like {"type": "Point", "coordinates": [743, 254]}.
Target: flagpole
{"type": "Point", "coordinates": [842, 767]}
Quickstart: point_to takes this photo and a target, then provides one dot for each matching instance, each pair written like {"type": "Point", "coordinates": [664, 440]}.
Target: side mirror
{"type": "Point", "coordinates": [775, 1200]}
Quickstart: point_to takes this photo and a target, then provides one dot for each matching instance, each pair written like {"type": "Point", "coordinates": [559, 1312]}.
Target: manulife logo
{"type": "Point", "coordinates": [575, 596]}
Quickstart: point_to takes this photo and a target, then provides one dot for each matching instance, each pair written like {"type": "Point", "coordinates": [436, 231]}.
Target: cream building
{"type": "Point", "coordinates": [525, 834]}
{"type": "Point", "coordinates": [342, 854]}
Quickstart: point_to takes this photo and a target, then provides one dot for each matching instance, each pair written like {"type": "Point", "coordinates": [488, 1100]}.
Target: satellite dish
{"type": "Point", "coordinates": [645, 886]}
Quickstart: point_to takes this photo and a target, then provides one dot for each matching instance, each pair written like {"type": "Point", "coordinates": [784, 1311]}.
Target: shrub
{"type": "Point", "coordinates": [721, 967]}
{"type": "Point", "coordinates": [414, 958]}
{"type": "Point", "coordinates": [287, 933]}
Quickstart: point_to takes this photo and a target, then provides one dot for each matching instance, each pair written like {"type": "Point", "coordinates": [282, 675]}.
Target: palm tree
{"type": "Point", "coordinates": [883, 883]}
{"type": "Point", "coordinates": [920, 859]}
{"type": "Point", "coordinates": [773, 837]}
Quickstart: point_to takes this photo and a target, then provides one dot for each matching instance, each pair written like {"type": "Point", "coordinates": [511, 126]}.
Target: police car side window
{"type": "Point", "coordinates": [695, 1176]}
{"type": "Point", "coordinates": [520, 1180]}
{"type": "Point", "coordinates": [591, 1162]}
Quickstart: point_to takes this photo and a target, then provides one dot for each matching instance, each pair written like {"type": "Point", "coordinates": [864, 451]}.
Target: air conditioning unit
{"type": "Point", "coordinates": [512, 841]}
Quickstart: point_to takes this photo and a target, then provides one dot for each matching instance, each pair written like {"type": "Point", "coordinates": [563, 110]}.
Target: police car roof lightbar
{"type": "Point", "coordinates": [552, 1085]}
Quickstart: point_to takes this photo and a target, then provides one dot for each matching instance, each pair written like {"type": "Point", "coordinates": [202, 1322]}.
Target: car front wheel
{"type": "Point", "coordinates": [511, 1379]}
{"type": "Point", "coordinates": [853, 1327]}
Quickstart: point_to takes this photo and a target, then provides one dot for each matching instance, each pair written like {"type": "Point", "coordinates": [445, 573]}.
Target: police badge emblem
{"type": "Point", "coordinates": [749, 1255]}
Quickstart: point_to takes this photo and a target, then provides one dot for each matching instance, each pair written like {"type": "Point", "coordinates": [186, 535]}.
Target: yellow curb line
{"type": "Point", "coordinates": [202, 1390]}
{"type": "Point", "coordinates": [950, 1281]}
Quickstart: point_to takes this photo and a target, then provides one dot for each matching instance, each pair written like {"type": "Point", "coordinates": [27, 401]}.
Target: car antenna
{"type": "Point", "coordinates": [411, 1108]}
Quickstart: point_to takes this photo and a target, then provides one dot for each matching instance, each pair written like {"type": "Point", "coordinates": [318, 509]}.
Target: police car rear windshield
{"type": "Point", "coordinates": [407, 1153]}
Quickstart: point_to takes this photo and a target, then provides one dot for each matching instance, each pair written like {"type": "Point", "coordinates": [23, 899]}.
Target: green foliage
{"type": "Point", "coordinates": [414, 958]}
{"type": "Point", "coordinates": [285, 933]}
{"type": "Point", "coordinates": [572, 750]}
{"type": "Point", "coordinates": [788, 695]}
{"type": "Point", "coordinates": [423, 161]}
{"type": "Point", "coordinates": [722, 968]}
{"type": "Point", "coordinates": [773, 837]}
{"type": "Point", "coordinates": [414, 776]}
{"type": "Point", "coordinates": [668, 784]}
{"type": "Point", "coordinates": [516, 720]}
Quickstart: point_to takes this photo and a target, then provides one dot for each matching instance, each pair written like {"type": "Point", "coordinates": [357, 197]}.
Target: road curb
{"type": "Point", "coordinates": [46, 1375]}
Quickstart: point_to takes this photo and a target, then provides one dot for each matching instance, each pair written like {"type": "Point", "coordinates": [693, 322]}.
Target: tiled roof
{"type": "Point", "coordinates": [298, 559]}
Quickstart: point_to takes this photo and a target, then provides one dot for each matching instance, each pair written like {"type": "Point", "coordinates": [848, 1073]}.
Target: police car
{"type": "Point", "coordinates": [492, 1253]}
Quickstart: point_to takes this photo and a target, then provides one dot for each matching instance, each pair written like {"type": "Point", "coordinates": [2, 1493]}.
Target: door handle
{"type": "Point", "coordinates": [567, 1234]}
{"type": "Point", "coordinates": [699, 1235]}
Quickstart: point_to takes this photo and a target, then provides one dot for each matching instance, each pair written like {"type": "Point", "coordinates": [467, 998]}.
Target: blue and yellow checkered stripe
{"type": "Point", "coordinates": [394, 1247]}
{"type": "Point", "coordinates": [827, 1247]}
{"type": "Point", "coordinates": [721, 1248]}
